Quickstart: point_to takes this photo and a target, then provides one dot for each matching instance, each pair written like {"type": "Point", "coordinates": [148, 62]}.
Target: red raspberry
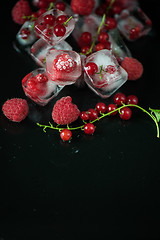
{"type": "Point", "coordinates": [82, 7]}
{"type": "Point", "coordinates": [15, 109]}
{"type": "Point", "coordinates": [64, 63]}
{"type": "Point", "coordinates": [133, 67]}
{"type": "Point", "coordinates": [64, 111]}
{"type": "Point", "coordinates": [20, 9]}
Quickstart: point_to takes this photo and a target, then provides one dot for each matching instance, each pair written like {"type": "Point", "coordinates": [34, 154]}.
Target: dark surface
{"type": "Point", "coordinates": [96, 187]}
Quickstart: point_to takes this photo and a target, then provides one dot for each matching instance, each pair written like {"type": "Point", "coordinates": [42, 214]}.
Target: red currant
{"type": "Point", "coordinates": [65, 134]}
{"type": "Point", "coordinates": [99, 46]}
{"type": "Point", "coordinates": [61, 19]}
{"type": "Point", "coordinates": [119, 98]}
{"type": "Point", "coordinates": [103, 37]}
{"type": "Point", "coordinates": [85, 49]}
{"type": "Point", "coordinates": [101, 107]}
{"type": "Point", "coordinates": [48, 32]}
{"type": "Point", "coordinates": [110, 23]}
{"type": "Point", "coordinates": [41, 11]}
{"type": "Point", "coordinates": [84, 116]}
{"type": "Point", "coordinates": [60, 6]}
{"type": "Point", "coordinates": [59, 30]}
{"type": "Point", "coordinates": [89, 128]}
{"type": "Point", "coordinates": [49, 19]}
{"type": "Point", "coordinates": [24, 33]}
{"type": "Point", "coordinates": [125, 113]}
{"type": "Point", "coordinates": [86, 38]}
{"type": "Point", "coordinates": [111, 107]}
{"type": "Point", "coordinates": [134, 33]}
{"type": "Point", "coordinates": [132, 99]}
{"type": "Point", "coordinates": [91, 68]}
{"type": "Point", "coordinates": [92, 113]}
{"type": "Point", "coordinates": [107, 45]}
{"type": "Point", "coordinates": [111, 69]}
{"type": "Point", "coordinates": [42, 4]}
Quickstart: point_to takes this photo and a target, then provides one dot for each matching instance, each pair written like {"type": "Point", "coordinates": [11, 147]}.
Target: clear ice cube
{"type": "Point", "coordinates": [46, 32]}
{"type": "Point", "coordinates": [39, 88]}
{"type": "Point", "coordinates": [63, 67]}
{"type": "Point", "coordinates": [133, 24]}
{"type": "Point", "coordinates": [40, 48]}
{"type": "Point", "coordinates": [110, 75]}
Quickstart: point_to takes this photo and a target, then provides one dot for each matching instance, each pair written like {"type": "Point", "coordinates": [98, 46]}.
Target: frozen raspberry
{"type": "Point", "coordinates": [20, 9]}
{"type": "Point", "coordinates": [15, 109]}
{"type": "Point", "coordinates": [82, 7]}
{"type": "Point", "coordinates": [64, 63]}
{"type": "Point", "coordinates": [133, 67]}
{"type": "Point", "coordinates": [64, 111]}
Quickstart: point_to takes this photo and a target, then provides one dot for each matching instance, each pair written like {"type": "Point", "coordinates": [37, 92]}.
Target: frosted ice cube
{"type": "Point", "coordinates": [63, 67]}
{"type": "Point", "coordinates": [39, 88]}
{"type": "Point", "coordinates": [46, 32]}
{"type": "Point", "coordinates": [133, 24]}
{"type": "Point", "coordinates": [40, 48]}
{"type": "Point", "coordinates": [110, 75]}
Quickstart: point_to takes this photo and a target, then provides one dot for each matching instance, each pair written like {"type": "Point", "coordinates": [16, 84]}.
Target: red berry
{"type": "Point", "coordinates": [42, 4]}
{"type": "Point", "coordinates": [49, 19]}
{"type": "Point", "coordinates": [119, 98]}
{"type": "Point", "coordinates": [86, 38]}
{"type": "Point", "coordinates": [48, 32]}
{"type": "Point", "coordinates": [20, 9]}
{"type": "Point", "coordinates": [24, 33]}
{"type": "Point", "coordinates": [15, 109]}
{"type": "Point", "coordinates": [111, 107]}
{"type": "Point", "coordinates": [101, 107]}
{"type": "Point", "coordinates": [99, 46]}
{"type": "Point", "coordinates": [92, 113]}
{"type": "Point", "coordinates": [41, 78]}
{"type": "Point", "coordinates": [82, 7]}
{"type": "Point", "coordinates": [103, 37]}
{"type": "Point", "coordinates": [89, 128]}
{"type": "Point", "coordinates": [65, 134]}
{"type": "Point", "coordinates": [60, 6]}
{"type": "Point", "coordinates": [39, 28]}
{"type": "Point", "coordinates": [91, 68]}
{"type": "Point", "coordinates": [111, 69]}
{"type": "Point", "coordinates": [107, 45]}
{"type": "Point", "coordinates": [133, 67]}
{"type": "Point", "coordinates": [84, 116]}
{"type": "Point", "coordinates": [134, 33]}
{"type": "Point", "coordinates": [132, 99]}
{"type": "Point", "coordinates": [61, 19]}
{"type": "Point", "coordinates": [59, 30]}
{"type": "Point", "coordinates": [64, 63]}
{"type": "Point", "coordinates": [85, 49]}
{"type": "Point", "coordinates": [110, 23]}
{"type": "Point", "coordinates": [125, 113]}
{"type": "Point", "coordinates": [41, 11]}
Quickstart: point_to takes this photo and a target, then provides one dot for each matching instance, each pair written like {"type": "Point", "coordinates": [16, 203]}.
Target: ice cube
{"type": "Point", "coordinates": [133, 24]}
{"type": "Point", "coordinates": [40, 48]}
{"type": "Point", "coordinates": [46, 31]}
{"type": "Point", "coordinates": [39, 88]}
{"type": "Point", "coordinates": [63, 67]}
{"type": "Point", "coordinates": [110, 75]}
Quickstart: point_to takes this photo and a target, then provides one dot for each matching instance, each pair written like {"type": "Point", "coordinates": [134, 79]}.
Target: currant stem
{"type": "Point", "coordinates": [102, 116]}
{"type": "Point", "coordinates": [65, 23]}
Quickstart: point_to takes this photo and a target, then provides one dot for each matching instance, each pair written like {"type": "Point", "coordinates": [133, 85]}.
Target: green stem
{"type": "Point", "coordinates": [65, 23]}
{"type": "Point", "coordinates": [110, 6]}
{"type": "Point", "coordinates": [102, 116]}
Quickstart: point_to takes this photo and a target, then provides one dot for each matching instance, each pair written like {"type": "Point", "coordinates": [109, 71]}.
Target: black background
{"type": "Point", "coordinates": [95, 187]}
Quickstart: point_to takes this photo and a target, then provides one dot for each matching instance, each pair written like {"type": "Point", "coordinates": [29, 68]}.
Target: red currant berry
{"type": "Point", "coordinates": [91, 68]}
{"type": "Point", "coordinates": [101, 107]}
{"type": "Point", "coordinates": [111, 107]}
{"type": "Point", "coordinates": [59, 30]}
{"type": "Point", "coordinates": [61, 19]}
{"type": "Point", "coordinates": [85, 49]}
{"type": "Point", "coordinates": [132, 99]}
{"type": "Point", "coordinates": [24, 33]}
{"type": "Point", "coordinates": [86, 37]}
{"type": "Point", "coordinates": [60, 6]}
{"type": "Point", "coordinates": [49, 19]}
{"type": "Point", "coordinates": [65, 134]}
{"type": "Point", "coordinates": [92, 113]}
{"type": "Point", "coordinates": [41, 11]}
{"type": "Point", "coordinates": [42, 4]}
{"type": "Point", "coordinates": [103, 37]}
{"type": "Point", "coordinates": [48, 32]}
{"type": "Point", "coordinates": [134, 33]}
{"type": "Point", "coordinates": [99, 46]}
{"type": "Point", "coordinates": [107, 45]}
{"type": "Point", "coordinates": [125, 113]}
{"type": "Point", "coordinates": [100, 11]}
{"type": "Point", "coordinates": [111, 69]}
{"type": "Point", "coordinates": [119, 98]}
{"type": "Point", "coordinates": [116, 9]}
{"type": "Point", "coordinates": [110, 23]}
{"type": "Point", "coordinates": [84, 116]}
{"type": "Point", "coordinates": [89, 128]}
{"type": "Point", "coordinates": [39, 28]}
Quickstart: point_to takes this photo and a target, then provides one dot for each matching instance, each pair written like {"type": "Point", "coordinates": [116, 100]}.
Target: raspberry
{"type": "Point", "coordinates": [133, 67]}
{"type": "Point", "coordinates": [64, 111]}
{"type": "Point", "coordinates": [15, 109]}
{"type": "Point", "coordinates": [82, 7]}
{"type": "Point", "coordinates": [20, 9]}
{"type": "Point", "coordinates": [64, 63]}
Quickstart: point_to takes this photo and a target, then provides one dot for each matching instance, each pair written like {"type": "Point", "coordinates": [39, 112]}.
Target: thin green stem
{"type": "Point", "coordinates": [65, 23]}
{"type": "Point", "coordinates": [99, 118]}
